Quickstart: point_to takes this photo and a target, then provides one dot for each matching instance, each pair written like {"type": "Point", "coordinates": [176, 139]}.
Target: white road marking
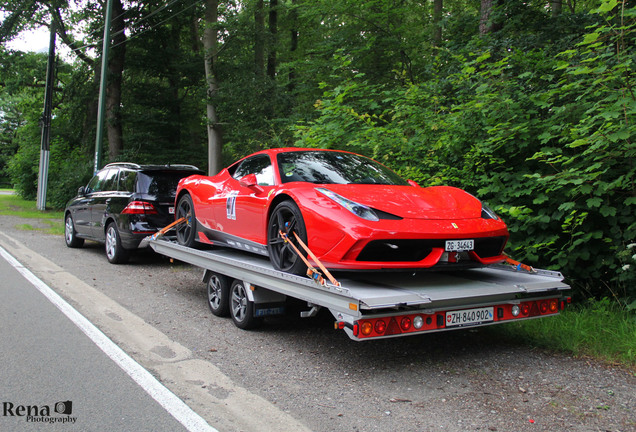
{"type": "Point", "coordinates": [168, 400]}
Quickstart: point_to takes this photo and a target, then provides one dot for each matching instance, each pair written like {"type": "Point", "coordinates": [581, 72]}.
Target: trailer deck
{"type": "Point", "coordinates": [488, 294]}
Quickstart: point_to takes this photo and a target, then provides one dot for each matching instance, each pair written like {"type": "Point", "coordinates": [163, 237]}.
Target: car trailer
{"type": "Point", "coordinates": [374, 305]}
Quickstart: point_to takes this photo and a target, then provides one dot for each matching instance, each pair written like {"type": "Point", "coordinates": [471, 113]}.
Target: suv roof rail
{"type": "Point", "coordinates": [183, 166]}
{"type": "Point", "coordinates": [123, 164]}
{"type": "Point", "coordinates": [137, 166]}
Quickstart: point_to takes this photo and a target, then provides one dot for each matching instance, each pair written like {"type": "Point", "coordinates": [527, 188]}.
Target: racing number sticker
{"type": "Point", "coordinates": [230, 205]}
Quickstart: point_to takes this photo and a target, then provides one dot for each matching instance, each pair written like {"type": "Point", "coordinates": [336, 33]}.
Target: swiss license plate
{"type": "Point", "coordinates": [459, 245]}
{"type": "Point", "coordinates": [171, 210]}
{"type": "Point", "coordinates": [469, 316]}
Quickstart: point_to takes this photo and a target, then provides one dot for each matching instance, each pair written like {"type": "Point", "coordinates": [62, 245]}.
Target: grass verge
{"type": "Point", "coordinates": [51, 222]}
{"type": "Point", "coordinates": [602, 329]}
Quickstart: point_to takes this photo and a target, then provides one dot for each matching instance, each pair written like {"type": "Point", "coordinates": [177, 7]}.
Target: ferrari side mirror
{"type": "Point", "coordinates": [412, 183]}
{"type": "Point", "coordinates": [248, 181]}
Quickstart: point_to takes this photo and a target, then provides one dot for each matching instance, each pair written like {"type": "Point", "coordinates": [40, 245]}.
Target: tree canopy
{"type": "Point", "coordinates": [528, 105]}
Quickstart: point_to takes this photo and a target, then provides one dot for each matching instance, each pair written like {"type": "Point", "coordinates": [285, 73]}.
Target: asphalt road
{"type": "Point", "coordinates": [300, 374]}
{"type": "Point", "coordinates": [55, 378]}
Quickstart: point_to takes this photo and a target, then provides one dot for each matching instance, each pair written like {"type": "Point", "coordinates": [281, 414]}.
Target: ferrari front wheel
{"type": "Point", "coordinates": [186, 231]}
{"type": "Point", "coordinates": [286, 218]}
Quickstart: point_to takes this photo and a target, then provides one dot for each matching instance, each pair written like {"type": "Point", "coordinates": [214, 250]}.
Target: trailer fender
{"type": "Point", "coordinates": [260, 295]}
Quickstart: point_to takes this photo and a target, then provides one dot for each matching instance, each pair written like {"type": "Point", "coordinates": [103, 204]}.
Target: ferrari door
{"type": "Point", "coordinates": [245, 197]}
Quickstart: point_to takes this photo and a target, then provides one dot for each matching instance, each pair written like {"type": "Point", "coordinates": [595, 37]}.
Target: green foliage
{"type": "Point", "coordinates": [548, 139]}
{"type": "Point", "coordinates": [598, 328]}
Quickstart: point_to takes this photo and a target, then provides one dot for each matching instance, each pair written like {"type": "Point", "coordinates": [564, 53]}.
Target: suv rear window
{"type": "Point", "coordinates": [160, 184]}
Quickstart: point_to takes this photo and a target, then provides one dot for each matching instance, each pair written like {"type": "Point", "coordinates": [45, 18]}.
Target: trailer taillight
{"type": "Point", "coordinates": [418, 322]}
{"type": "Point", "coordinates": [410, 323]}
{"type": "Point", "coordinates": [380, 326]}
{"type": "Point", "coordinates": [529, 309]}
{"type": "Point", "coordinates": [366, 328]}
{"type": "Point", "coordinates": [525, 309]}
{"type": "Point", "coordinates": [396, 325]}
{"type": "Point", "coordinates": [516, 310]}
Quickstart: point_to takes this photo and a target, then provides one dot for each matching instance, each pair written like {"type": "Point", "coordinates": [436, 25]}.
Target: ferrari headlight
{"type": "Point", "coordinates": [488, 213]}
{"type": "Point", "coordinates": [359, 210]}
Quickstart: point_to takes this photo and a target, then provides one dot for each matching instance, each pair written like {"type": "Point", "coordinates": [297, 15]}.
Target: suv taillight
{"type": "Point", "coordinates": [139, 207]}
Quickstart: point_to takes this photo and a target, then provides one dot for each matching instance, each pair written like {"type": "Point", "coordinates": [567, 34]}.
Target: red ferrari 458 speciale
{"type": "Point", "coordinates": [352, 212]}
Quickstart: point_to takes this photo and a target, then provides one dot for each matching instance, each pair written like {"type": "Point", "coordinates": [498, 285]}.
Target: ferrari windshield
{"type": "Point", "coordinates": [331, 167]}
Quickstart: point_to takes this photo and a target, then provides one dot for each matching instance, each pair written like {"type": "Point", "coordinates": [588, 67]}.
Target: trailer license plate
{"type": "Point", "coordinates": [459, 245]}
{"type": "Point", "coordinates": [469, 316]}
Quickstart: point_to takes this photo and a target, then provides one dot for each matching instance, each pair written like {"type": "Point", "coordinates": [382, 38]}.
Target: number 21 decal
{"type": "Point", "coordinates": [230, 205]}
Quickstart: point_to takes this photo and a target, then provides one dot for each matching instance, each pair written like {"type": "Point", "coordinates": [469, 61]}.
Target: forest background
{"type": "Point", "coordinates": [530, 105]}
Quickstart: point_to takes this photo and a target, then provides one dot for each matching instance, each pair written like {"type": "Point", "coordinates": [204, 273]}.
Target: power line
{"type": "Point", "coordinates": [151, 27]}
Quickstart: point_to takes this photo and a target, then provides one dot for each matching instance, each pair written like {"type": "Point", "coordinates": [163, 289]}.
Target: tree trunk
{"type": "Point", "coordinates": [484, 17]}
{"type": "Point", "coordinates": [259, 39]}
{"type": "Point", "coordinates": [215, 143]}
{"type": "Point", "coordinates": [486, 23]}
{"type": "Point", "coordinates": [437, 22]}
{"type": "Point", "coordinates": [557, 7]}
{"type": "Point", "coordinates": [293, 17]}
{"type": "Point", "coordinates": [113, 86]}
{"type": "Point", "coordinates": [273, 30]}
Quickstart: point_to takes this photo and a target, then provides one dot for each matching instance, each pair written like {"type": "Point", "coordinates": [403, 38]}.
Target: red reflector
{"type": "Point", "coordinates": [393, 327]}
{"type": "Point", "coordinates": [544, 307]}
{"type": "Point", "coordinates": [535, 309]}
{"type": "Point", "coordinates": [139, 207]}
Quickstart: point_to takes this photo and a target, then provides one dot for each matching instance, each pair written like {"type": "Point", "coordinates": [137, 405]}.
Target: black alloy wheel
{"type": "Point", "coordinates": [186, 231]}
{"type": "Point", "coordinates": [288, 219]}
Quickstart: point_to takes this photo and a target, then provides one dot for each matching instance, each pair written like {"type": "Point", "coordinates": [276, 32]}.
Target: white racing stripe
{"type": "Point", "coordinates": [168, 400]}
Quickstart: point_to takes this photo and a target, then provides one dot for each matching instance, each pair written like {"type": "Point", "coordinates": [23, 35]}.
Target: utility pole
{"type": "Point", "coordinates": [102, 88]}
{"type": "Point", "coordinates": [45, 146]}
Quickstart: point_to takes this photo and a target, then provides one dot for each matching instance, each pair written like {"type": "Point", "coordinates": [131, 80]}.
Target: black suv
{"type": "Point", "coordinates": [123, 204]}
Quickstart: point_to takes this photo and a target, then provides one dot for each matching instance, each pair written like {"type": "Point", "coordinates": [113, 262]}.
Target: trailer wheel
{"type": "Point", "coordinates": [287, 218]}
{"type": "Point", "coordinates": [218, 294]}
{"type": "Point", "coordinates": [186, 232]}
{"type": "Point", "coordinates": [241, 308]}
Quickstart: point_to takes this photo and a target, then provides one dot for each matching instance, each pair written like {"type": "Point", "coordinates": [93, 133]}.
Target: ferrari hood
{"type": "Point", "coordinates": [436, 202]}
